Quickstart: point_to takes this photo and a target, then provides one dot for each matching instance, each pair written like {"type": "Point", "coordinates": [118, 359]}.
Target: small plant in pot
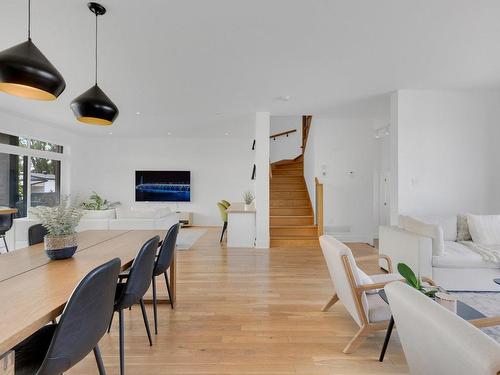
{"type": "Point", "coordinates": [248, 198]}
{"type": "Point", "coordinates": [98, 203]}
{"type": "Point", "coordinates": [414, 281]}
{"type": "Point", "coordinates": [61, 222]}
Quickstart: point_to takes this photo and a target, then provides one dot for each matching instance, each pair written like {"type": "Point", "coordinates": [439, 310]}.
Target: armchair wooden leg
{"type": "Point", "coordinates": [330, 303]}
{"type": "Point", "coordinates": [357, 340]}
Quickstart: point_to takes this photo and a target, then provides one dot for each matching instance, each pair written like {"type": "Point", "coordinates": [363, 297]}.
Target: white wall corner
{"type": "Point", "coordinates": [262, 132]}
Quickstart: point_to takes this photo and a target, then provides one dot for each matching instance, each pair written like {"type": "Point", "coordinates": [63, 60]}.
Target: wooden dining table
{"type": "Point", "coordinates": [34, 289]}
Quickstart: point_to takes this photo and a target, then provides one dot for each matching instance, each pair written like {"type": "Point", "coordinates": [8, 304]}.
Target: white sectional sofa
{"type": "Point", "coordinates": [442, 248]}
{"type": "Point", "coordinates": [115, 219]}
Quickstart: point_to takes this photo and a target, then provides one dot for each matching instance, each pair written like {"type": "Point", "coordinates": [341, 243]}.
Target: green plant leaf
{"type": "Point", "coordinates": [409, 275]}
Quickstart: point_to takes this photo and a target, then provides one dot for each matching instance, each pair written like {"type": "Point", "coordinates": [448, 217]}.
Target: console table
{"type": "Point", "coordinates": [240, 225]}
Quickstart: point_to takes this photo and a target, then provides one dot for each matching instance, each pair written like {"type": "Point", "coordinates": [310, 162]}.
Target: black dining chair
{"type": "Point", "coordinates": [5, 225]}
{"type": "Point", "coordinates": [133, 289]}
{"type": "Point", "coordinates": [56, 348]}
{"type": "Point", "coordinates": [164, 259]}
{"type": "Point", "coordinates": [36, 233]}
{"type": "Point", "coordinates": [163, 262]}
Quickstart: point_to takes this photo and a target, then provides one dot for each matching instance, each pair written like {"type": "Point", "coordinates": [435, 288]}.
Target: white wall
{"type": "Point", "coordinates": [262, 129]}
{"type": "Point", "coordinates": [285, 147]}
{"type": "Point", "coordinates": [220, 169]}
{"type": "Point", "coordinates": [341, 146]}
{"type": "Point", "coordinates": [448, 154]}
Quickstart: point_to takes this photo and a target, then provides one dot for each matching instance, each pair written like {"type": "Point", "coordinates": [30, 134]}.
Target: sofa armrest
{"type": "Point", "coordinates": [406, 247]}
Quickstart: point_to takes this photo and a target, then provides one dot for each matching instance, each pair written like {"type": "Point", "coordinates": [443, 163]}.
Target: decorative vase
{"type": "Point", "coordinates": [60, 247]}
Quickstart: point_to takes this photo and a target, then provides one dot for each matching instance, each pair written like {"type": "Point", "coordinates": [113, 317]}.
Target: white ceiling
{"type": "Point", "coordinates": [195, 67]}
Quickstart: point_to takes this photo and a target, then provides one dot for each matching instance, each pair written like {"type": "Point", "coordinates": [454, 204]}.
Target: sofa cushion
{"type": "Point", "coordinates": [457, 255]}
{"type": "Point", "coordinates": [463, 233]}
{"type": "Point", "coordinates": [142, 213]}
{"type": "Point", "coordinates": [419, 227]}
{"type": "Point", "coordinates": [484, 229]}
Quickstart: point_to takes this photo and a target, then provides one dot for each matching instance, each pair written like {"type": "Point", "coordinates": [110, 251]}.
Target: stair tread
{"type": "Point", "coordinates": [294, 237]}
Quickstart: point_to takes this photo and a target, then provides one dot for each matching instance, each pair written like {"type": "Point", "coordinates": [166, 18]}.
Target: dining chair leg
{"type": "Point", "coordinates": [223, 230]}
{"type": "Point", "coordinates": [146, 323]}
{"type": "Point", "coordinates": [155, 312]}
{"type": "Point", "coordinates": [98, 359]}
{"type": "Point", "coordinates": [168, 290]}
{"type": "Point", "coordinates": [122, 342]}
{"type": "Point", "coordinates": [5, 243]}
{"type": "Point", "coordinates": [111, 322]}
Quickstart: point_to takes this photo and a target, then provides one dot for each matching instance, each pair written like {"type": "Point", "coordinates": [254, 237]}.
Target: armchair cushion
{"type": "Point", "coordinates": [378, 310]}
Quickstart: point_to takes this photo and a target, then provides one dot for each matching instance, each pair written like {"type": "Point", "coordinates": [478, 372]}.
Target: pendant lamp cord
{"type": "Point", "coordinates": [96, 49]}
{"type": "Point", "coordinates": [29, 19]}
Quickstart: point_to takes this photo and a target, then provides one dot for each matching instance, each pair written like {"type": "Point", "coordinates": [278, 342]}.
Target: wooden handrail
{"type": "Point", "coordinates": [319, 206]}
{"type": "Point", "coordinates": [283, 133]}
{"type": "Point", "coordinates": [306, 125]}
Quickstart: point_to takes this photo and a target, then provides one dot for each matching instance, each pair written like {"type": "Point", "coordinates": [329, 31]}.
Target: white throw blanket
{"type": "Point", "coordinates": [489, 253]}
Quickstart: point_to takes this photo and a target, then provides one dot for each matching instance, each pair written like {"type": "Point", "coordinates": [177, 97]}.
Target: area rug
{"type": "Point", "coordinates": [487, 303]}
{"type": "Point", "coordinates": [187, 237]}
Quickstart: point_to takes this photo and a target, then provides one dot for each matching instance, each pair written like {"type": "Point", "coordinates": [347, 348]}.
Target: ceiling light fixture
{"type": "Point", "coordinates": [284, 98]}
{"type": "Point", "coordinates": [27, 73]}
{"type": "Point", "coordinates": [94, 106]}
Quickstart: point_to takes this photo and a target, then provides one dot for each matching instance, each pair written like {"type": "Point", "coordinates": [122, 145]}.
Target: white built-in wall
{"type": "Point", "coordinates": [343, 154]}
{"type": "Point", "coordinates": [220, 169]}
{"type": "Point", "coordinates": [448, 155]}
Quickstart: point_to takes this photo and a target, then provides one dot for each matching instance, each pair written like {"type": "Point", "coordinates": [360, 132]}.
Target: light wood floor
{"type": "Point", "coordinates": [248, 311]}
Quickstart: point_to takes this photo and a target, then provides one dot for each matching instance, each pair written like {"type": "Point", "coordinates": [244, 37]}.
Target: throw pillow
{"type": "Point", "coordinates": [484, 229]}
{"type": "Point", "coordinates": [463, 233]}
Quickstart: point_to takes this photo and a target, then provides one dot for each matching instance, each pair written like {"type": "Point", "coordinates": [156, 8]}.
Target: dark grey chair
{"type": "Point", "coordinates": [163, 262]}
{"type": "Point", "coordinates": [164, 259]}
{"type": "Point", "coordinates": [5, 225]}
{"type": "Point", "coordinates": [36, 233]}
{"type": "Point", "coordinates": [56, 348]}
{"type": "Point", "coordinates": [133, 289]}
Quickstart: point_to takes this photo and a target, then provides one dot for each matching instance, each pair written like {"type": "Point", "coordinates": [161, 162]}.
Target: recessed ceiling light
{"type": "Point", "coordinates": [284, 98]}
{"type": "Point", "coordinates": [218, 113]}
{"type": "Point", "coordinates": [226, 134]}
{"type": "Point", "coordinates": [138, 113]}
{"type": "Point", "coordinates": [110, 133]}
{"type": "Point", "coordinates": [169, 133]}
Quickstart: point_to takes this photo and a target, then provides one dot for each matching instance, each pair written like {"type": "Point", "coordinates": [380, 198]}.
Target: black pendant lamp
{"type": "Point", "coordinates": [26, 72]}
{"type": "Point", "coordinates": [94, 107]}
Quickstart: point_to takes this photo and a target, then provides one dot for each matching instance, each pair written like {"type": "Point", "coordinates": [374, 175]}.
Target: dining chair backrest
{"type": "Point", "coordinates": [334, 252]}
{"type": "Point", "coordinates": [436, 340]}
{"type": "Point", "coordinates": [223, 212]}
{"type": "Point", "coordinates": [84, 319]}
{"type": "Point", "coordinates": [5, 223]}
{"type": "Point", "coordinates": [140, 275]}
{"type": "Point", "coordinates": [36, 233]}
{"type": "Point", "coordinates": [167, 250]}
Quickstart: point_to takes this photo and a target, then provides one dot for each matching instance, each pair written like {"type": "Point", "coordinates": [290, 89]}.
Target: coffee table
{"type": "Point", "coordinates": [463, 310]}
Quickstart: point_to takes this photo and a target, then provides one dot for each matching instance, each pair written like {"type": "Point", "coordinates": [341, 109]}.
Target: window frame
{"type": "Point", "coordinates": [29, 152]}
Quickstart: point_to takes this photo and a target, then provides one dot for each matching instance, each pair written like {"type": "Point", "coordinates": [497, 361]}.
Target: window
{"type": "Point", "coordinates": [45, 182]}
{"type": "Point", "coordinates": [13, 186]}
{"type": "Point", "coordinates": [30, 173]}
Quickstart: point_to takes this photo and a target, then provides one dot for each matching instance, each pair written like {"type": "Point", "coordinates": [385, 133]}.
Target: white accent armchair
{"type": "Point", "coordinates": [356, 291]}
{"type": "Point", "coordinates": [437, 341]}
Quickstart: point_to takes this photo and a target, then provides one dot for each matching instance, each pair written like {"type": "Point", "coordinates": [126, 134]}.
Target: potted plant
{"type": "Point", "coordinates": [414, 281]}
{"type": "Point", "coordinates": [97, 207]}
{"type": "Point", "coordinates": [248, 198]}
{"type": "Point", "coordinates": [61, 222]}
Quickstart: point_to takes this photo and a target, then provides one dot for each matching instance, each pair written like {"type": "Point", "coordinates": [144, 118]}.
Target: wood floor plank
{"type": "Point", "coordinates": [249, 311]}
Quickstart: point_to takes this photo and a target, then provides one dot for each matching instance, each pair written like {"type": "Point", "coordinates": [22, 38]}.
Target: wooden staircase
{"type": "Point", "coordinates": [291, 213]}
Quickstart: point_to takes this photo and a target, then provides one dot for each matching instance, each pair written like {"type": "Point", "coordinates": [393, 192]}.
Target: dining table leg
{"type": "Point", "coordinates": [387, 338]}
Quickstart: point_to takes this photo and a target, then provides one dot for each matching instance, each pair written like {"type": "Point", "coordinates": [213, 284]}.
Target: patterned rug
{"type": "Point", "coordinates": [187, 237]}
{"type": "Point", "coordinates": [487, 303]}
